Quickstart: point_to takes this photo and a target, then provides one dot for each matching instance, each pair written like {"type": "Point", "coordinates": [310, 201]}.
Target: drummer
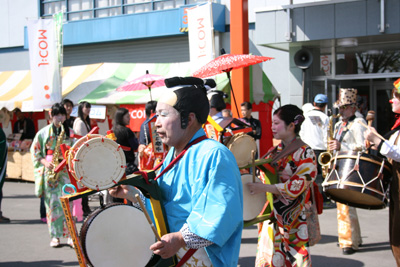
{"type": "Point", "coordinates": [391, 149]}
{"type": "Point", "coordinates": [202, 192]}
{"type": "Point", "coordinates": [348, 136]}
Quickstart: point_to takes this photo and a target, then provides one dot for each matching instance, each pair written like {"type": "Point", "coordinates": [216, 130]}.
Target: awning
{"type": "Point", "coordinates": [97, 83]}
{"type": "Point", "coordinates": [16, 86]}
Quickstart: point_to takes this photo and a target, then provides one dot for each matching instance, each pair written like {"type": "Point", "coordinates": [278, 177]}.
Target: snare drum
{"type": "Point", "coordinates": [117, 235]}
{"type": "Point", "coordinates": [359, 180]}
{"type": "Point", "coordinates": [241, 146]}
{"type": "Point", "coordinates": [252, 204]}
{"type": "Point", "coordinates": [97, 162]}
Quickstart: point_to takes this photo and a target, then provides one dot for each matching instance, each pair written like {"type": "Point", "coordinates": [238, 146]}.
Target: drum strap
{"type": "Point", "coordinates": [287, 150]}
{"type": "Point", "coordinates": [177, 158]}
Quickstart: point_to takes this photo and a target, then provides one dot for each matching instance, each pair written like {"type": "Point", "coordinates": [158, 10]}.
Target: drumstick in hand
{"type": "Point", "coordinates": [253, 165]}
{"type": "Point", "coordinates": [148, 217]}
{"type": "Point", "coordinates": [369, 118]}
{"type": "Point", "coordinates": [375, 133]}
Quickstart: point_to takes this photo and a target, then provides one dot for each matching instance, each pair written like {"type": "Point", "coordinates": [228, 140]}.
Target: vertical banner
{"type": "Point", "coordinates": [201, 38]}
{"type": "Point", "coordinates": [44, 63]}
{"type": "Point", "coordinates": [58, 20]}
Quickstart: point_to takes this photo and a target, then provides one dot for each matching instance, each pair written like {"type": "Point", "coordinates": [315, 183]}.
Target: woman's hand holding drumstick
{"type": "Point", "coordinates": [372, 135]}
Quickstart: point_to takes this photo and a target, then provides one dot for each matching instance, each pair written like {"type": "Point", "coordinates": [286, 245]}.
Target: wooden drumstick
{"type": "Point", "coordinates": [148, 217]}
{"type": "Point", "coordinates": [370, 117]}
{"type": "Point", "coordinates": [253, 165]}
{"type": "Point", "coordinates": [366, 126]}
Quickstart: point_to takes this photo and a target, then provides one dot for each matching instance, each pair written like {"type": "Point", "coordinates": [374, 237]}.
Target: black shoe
{"type": "Point", "coordinates": [4, 219]}
{"type": "Point", "coordinates": [348, 251]}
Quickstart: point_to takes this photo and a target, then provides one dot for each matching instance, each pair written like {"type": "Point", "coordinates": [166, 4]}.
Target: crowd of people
{"type": "Point", "coordinates": [200, 182]}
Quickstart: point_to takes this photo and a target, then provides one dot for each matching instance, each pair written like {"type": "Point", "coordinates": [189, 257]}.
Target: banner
{"type": "Point", "coordinates": [201, 38]}
{"type": "Point", "coordinates": [44, 63]}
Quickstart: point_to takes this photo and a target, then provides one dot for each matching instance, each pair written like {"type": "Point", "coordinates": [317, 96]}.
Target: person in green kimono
{"type": "Point", "coordinates": [42, 149]}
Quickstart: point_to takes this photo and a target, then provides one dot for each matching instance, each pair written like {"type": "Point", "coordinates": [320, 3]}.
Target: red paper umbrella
{"type": "Point", "coordinates": [226, 63]}
{"type": "Point", "coordinates": [146, 81]}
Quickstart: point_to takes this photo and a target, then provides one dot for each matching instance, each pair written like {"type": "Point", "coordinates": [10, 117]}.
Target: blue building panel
{"type": "Point", "coordinates": [132, 26]}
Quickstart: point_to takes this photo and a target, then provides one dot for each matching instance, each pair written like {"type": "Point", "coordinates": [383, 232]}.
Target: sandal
{"type": "Point", "coordinates": [55, 242]}
{"type": "Point", "coordinates": [70, 242]}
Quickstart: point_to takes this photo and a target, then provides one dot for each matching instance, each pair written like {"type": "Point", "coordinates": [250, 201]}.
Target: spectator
{"type": "Point", "coordinates": [24, 126]}
{"type": "Point", "coordinates": [68, 105]}
{"type": "Point", "coordinates": [246, 109]}
{"type": "Point", "coordinates": [82, 127]}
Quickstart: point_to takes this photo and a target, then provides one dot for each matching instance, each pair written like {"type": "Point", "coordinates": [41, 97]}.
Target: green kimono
{"type": "Point", "coordinates": [44, 141]}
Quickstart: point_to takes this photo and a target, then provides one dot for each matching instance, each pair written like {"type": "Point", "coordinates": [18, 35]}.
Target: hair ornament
{"type": "Point", "coordinates": [298, 119]}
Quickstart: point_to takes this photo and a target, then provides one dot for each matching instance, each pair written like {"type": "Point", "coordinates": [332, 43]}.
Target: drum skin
{"type": "Point", "coordinates": [98, 163]}
{"type": "Point", "coordinates": [252, 204]}
{"type": "Point", "coordinates": [365, 188]}
{"type": "Point", "coordinates": [241, 146]}
{"type": "Point", "coordinates": [117, 235]}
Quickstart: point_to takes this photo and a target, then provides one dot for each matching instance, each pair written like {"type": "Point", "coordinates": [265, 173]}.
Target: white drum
{"type": "Point", "coordinates": [241, 146]}
{"type": "Point", "coordinates": [98, 162]}
{"type": "Point", "coordinates": [117, 235]}
{"type": "Point", "coordinates": [252, 204]}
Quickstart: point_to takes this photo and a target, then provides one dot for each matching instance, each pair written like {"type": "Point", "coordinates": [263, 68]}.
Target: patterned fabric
{"type": "Point", "coordinates": [285, 243]}
{"type": "Point", "coordinates": [46, 140]}
{"type": "Point", "coordinates": [192, 240]}
{"type": "Point", "coordinates": [198, 259]}
{"type": "Point", "coordinates": [348, 227]}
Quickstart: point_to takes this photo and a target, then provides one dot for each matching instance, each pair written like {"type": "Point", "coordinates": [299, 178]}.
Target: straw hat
{"type": "Point", "coordinates": [347, 96]}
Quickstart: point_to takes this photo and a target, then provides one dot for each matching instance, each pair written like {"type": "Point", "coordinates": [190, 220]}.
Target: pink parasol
{"type": "Point", "coordinates": [146, 81]}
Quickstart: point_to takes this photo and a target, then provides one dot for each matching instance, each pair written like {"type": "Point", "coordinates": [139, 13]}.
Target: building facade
{"type": "Point", "coordinates": [353, 43]}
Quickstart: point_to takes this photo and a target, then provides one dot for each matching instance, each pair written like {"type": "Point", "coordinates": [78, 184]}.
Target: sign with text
{"type": "Point", "coordinates": [201, 38]}
{"type": "Point", "coordinates": [44, 63]}
{"type": "Point", "coordinates": [138, 116]}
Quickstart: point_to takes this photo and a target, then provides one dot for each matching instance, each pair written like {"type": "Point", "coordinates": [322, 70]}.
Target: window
{"type": "Point", "coordinates": [89, 9]}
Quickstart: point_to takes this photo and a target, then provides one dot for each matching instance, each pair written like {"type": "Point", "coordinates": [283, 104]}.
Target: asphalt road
{"type": "Point", "coordinates": [25, 241]}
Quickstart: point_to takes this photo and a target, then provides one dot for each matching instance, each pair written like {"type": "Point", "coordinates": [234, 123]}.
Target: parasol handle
{"type": "Point", "coordinates": [233, 93]}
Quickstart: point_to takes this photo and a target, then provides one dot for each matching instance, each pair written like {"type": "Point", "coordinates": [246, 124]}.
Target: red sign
{"type": "Point", "coordinates": [138, 115]}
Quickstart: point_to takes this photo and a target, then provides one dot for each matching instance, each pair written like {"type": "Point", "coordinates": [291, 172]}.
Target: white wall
{"type": "Point", "coordinates": [13, 18]}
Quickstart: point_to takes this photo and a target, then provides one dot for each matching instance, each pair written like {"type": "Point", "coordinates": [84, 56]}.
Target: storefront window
{"type": "Point", "coordinates": [373, 61]}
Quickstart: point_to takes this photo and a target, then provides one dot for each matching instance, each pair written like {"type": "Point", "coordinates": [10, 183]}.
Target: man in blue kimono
{"type": "Point", "coordinates": [202, 192]}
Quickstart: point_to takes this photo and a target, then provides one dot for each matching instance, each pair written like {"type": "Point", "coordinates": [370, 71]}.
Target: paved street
{"type": "Point", "coordinates": [25, 241]}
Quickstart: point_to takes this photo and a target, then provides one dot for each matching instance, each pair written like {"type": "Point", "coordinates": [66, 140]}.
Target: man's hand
{"type": "Point", "coordinates": [334, 145]}
{"type": "Point", "coordinates": [124, 191]}
{"type": "Point", "coordinates": [169, 245]}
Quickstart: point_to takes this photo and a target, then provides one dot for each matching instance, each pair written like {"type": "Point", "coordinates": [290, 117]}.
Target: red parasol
{"type": "Point", "coordinates": [226, 63]}
{"type": "Point", "coordinates": [146, 81]}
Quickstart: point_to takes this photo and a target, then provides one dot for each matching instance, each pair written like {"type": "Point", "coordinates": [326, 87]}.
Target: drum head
{"type": "Point", "coordinates": [117, 235]}
{"type": "Point", "coordinates": [241, 146]}
{"type": "Point", "coordinates": [75, 148]}
{"type": "Point", "coordinates": [99, 163]}
{"type": "Point", "coordinates": [252, 204]}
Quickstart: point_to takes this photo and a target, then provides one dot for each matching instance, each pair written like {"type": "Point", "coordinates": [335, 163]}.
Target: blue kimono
{"type": "Point", "coordinates": [204, 190]}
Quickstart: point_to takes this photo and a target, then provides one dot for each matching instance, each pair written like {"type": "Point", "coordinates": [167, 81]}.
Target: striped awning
{"type": "Point", "coordinates": [97, 83]}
